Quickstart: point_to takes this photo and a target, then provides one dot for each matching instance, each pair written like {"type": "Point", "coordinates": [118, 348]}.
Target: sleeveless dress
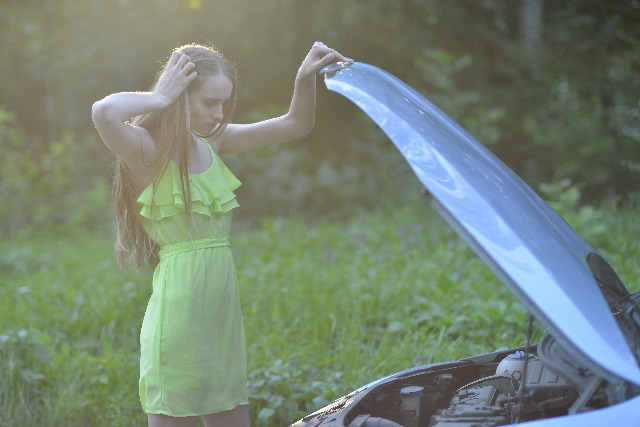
{"type": "Point", "coordinates": [192, 344]}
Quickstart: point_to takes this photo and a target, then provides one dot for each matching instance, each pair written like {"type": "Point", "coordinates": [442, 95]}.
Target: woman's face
{"type": "Point", "coordinates": [207, 103]}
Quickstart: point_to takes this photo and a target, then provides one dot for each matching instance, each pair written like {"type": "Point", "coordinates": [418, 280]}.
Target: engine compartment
{"type": "Point", "coordinates": [534, 382]}
{"type": "Point", "coordinates": [530, 383]}
{"type": "Point", "coordinates": [542, 382]}
{"type": "Point", "coordinates": [523, 389]}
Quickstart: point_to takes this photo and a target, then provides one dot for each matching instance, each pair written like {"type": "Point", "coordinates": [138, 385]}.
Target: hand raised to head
{"type": "Point", "coordinates": [178, 73]}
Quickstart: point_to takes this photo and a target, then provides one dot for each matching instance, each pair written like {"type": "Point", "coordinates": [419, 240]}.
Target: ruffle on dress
{"type": "Point", "coordinates": [211, 192]}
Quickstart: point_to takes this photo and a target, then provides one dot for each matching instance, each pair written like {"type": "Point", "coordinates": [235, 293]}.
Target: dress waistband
{"type": "Point", "coordinates": [193, 245]}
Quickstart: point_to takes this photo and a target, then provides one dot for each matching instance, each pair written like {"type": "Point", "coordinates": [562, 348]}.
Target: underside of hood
{"type": "Point", "coordinates": [529, 247]}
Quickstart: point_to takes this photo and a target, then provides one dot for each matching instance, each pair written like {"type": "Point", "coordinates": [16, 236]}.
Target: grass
{"type": "Point", "coordinates": [328, 307]}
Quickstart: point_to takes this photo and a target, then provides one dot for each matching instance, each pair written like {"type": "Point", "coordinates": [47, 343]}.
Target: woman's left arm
{"type": "Point", "coordinates": [299, 119]}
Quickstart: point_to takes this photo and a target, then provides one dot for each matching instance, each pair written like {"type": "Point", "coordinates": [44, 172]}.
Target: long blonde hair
{"type": "Point", "coordinates": [170, 129]}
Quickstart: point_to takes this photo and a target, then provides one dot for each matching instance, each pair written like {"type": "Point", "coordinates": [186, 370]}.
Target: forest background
{"type": "Point", "coordinates": [551, 87]}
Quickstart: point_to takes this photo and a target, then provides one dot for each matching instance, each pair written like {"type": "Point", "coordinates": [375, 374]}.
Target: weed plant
{"type": "Point", "coordinates": [328, 306]}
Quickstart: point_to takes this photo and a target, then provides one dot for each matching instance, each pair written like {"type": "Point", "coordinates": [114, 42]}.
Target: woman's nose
{"type": "Point", "coordinates": [217, 113]}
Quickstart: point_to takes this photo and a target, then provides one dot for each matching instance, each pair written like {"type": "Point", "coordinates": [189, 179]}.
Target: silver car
{"type": "Point", "coordinates": [583, 372]}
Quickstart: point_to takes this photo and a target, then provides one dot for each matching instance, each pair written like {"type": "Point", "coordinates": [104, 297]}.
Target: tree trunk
{"type": "Point", "coordinates": [531, 31]}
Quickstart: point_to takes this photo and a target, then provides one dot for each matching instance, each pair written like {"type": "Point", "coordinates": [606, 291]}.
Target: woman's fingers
{"type": "Point", "coordinates": [176, 57]}
{"type": "Point", "coordinates": [180, 59]}
{"type": "Point", "coordinates": [184, 65]}
{"type": "Point", "coordinates": [190, 69]}
{"type": "Point", "coordinates": [325, 51]}
{"type": "Point", "coordinates": [329, 57]}
{"type": "Point", "coordinates": [179, 72]}
{"type": "Point", "coordinates": [319, 56]}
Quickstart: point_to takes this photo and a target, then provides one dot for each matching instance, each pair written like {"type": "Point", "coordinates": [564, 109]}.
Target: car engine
{"type": "Point", "coordinates": [545, 382]}
{"type": "Point", "coordinates": [524, 388]}
{"type": "Point", "coordinates": [524, 384]}
{"type": "Point", "coordinates": [530, 383]}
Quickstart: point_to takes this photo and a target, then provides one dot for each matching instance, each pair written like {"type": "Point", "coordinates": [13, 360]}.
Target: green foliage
{"type": "Point", "coordinates": [380, 292]}
{"type": "Point", "coordinates": [280, 181]}
{"type": "Point", "coordinates": [584, 130]}
{"type": "Point", "coordinates": [282, 391]}
{"type": "Point", "coordinates": [49, 186]}
{"type": "Point", "coordinates": [566, 199]}
{"type": "Point", "coordinates": [609, 228]}
{"type": "Point", "coordinates": [440, 70]}
{"type": "Point", "coordinates": [22, 352]}
{"type": "Point", "coordinates": [68, 332]}
{"type": "Point", "coordinates": [565, 110]}
{"type": "Point", "coordinates": [568, 109]}
{"type": "Point", "coordinates": [328, 306]}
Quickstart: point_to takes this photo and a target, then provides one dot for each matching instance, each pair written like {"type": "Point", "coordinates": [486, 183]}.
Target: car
{"type": "Point", "coordinates": [585, 369]}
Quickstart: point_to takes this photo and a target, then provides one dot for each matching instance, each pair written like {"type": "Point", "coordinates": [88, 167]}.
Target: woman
{"type": "Point", "coordinates": [173, 198]}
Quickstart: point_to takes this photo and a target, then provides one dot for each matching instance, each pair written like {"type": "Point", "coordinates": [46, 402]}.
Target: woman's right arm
{"type": "Point", "coordinates": [111, 113]}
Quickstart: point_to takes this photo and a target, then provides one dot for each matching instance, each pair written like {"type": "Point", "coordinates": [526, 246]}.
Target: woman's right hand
{"type": "Point", "coordinates": [175, 78]}
{"type": "Point", "coordinates": [134, 144]}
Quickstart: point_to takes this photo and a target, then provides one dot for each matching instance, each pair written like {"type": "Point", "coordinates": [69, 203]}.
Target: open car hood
{"type": "Point", "coordinates": [543, 261]}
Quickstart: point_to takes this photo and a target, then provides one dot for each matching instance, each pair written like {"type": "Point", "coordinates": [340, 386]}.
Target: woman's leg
{"type": "Point", "coordinates": [156, 420]}
{"type": "Point", "coordinates": [236, 417]}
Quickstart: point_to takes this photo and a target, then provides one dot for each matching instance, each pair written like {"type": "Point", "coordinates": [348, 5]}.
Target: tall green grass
{"type": "Point", "coordinates": [328, 306]}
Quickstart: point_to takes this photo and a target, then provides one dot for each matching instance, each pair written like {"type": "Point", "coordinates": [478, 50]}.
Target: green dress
{"type": "Point", "coordinates": [192, 344]}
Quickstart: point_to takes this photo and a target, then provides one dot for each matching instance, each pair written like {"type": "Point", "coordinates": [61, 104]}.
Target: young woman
{"type": "Point", "coordinates": [173, 198]}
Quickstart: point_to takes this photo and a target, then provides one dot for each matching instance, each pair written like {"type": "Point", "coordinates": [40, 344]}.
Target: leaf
{"type": "Point", "coordinates": [266, 413]}
{"type": "Point", "coordinates": [31, 377]}
{"type": "Point", "coordinates": [396, 326]}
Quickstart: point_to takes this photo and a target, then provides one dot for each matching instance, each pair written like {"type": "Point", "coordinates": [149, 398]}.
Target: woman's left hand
{"type": "Point", "coordinates": [319, 56]}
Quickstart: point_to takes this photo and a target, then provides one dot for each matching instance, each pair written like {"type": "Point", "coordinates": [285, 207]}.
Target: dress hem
{"type": "Point", "coordinates": [170, 414]}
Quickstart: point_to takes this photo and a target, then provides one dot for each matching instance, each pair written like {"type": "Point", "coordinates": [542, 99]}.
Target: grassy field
{"type": "Point", "coordinates": [328, 306]}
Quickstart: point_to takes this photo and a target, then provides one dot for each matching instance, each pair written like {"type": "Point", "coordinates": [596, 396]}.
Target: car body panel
{"type": "Point", "coordinates": [530, 248]}
{"type": "Point", "coordinates": [622, 414]}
